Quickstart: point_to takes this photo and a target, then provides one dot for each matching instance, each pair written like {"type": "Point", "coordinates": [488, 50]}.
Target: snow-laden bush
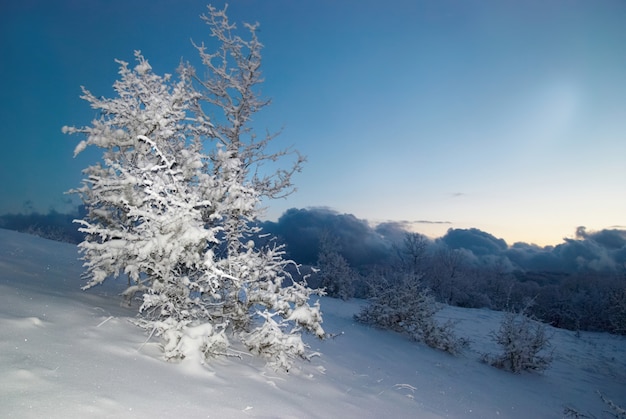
{"type": "Point", "coordinates": [174, 203]}
{"type": "Point", "coordinates": [524, 342]}
{"type": "Point", "coordinates": [401, 304]}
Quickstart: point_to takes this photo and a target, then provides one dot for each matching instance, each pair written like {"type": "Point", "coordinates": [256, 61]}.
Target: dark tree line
{"type": "Point", "coordinates": [586, 300]}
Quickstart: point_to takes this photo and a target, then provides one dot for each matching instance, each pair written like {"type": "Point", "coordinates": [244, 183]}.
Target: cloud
{"type": "Point", "coordinates": [531, 257]}
{"type": "Point", "coordinates": [363, 244]}
{"type": "Point", "coordinates": [603, 251]}
{"type": "Point", "coordinates": [474, 240]}
{"type": "Point", "coordinates": [610, 239]}
{"type": "Point", "coordinates": [393, 231]}
{"type": "Point", "coordinates": [359, 243]}
{"type": "Point", "coordinates": [430, 222]}
{"type": "Point", "coordinates": [600, 251]}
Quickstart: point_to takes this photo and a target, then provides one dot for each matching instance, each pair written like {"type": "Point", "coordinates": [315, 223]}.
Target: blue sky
{"type": "Point", "coordinates": [507, 116]}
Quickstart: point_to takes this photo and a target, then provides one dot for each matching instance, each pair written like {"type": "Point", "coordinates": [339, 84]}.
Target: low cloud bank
{"type": "Point", "coordinates": [359, 243]}
{"type": "Point", "coordinates": [364, 244]}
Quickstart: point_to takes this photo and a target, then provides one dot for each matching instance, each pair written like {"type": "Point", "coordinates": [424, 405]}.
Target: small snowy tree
{"type": "Point", "coordinates": [403, 305]}
{"type": "Point", "coordinates": [524, 343]}
{"type": "Point", "coordinates": [178, 222]}
{"type": "Point", "coordinates": [617, 311]}
{"type": "Point", "coordinates": [336, 275]}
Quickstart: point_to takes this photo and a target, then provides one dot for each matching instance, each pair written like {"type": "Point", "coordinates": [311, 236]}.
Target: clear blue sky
{"type": "Point", "coordinates": [508, 116]}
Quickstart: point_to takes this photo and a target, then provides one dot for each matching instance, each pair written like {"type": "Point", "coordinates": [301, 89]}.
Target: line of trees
{"type": "Point", "coordinates": [588, 300]}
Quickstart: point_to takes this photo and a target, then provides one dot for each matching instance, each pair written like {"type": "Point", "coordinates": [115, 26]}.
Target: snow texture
{"type": "Point", "coordinates": [68, 353]}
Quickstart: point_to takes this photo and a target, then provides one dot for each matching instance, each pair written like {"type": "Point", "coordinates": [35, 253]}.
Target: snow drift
{"type": "Point", "coordinates": [72, 353]}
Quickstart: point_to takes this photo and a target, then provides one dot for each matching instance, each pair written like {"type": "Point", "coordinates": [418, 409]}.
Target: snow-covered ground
{"type": "Point", "coordinates": [67, 353]}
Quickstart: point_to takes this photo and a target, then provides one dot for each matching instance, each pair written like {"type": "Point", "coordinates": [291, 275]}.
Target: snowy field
{"type": "Point", "coordinates": [65, 353]}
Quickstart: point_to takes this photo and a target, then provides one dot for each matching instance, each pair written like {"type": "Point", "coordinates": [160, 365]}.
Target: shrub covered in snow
{"type": "Point", "coordinates": [174, 203]}
{"type": "Point", "coordinates": [402, 304]}
{"type": "Point", "coordinates": [524, 343]}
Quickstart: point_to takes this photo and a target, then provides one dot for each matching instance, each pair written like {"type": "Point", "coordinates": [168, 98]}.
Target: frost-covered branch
{"type": "Point", "coordinates": [231, 89]}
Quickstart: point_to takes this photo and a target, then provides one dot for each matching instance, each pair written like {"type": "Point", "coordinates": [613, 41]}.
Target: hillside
{"type": "Point", "coordinates": [69, 353]}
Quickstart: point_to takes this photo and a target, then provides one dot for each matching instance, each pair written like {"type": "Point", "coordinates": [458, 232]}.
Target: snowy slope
{"type": "Point", "coordinates": [68, 353]}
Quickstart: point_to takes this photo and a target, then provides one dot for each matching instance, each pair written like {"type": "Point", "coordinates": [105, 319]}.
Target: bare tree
{"type": "Point", "coordinates": [412, 253]}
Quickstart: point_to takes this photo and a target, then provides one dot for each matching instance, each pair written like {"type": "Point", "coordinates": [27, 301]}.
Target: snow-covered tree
{"type": "Point", "coordinates": [524, 342]}
{"type": "Point", "coordinates": [173, 204]}
{"type": "Point", "coordinates": [336, 275]}
{"type": "Point", "coordinates": [401, 303]}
